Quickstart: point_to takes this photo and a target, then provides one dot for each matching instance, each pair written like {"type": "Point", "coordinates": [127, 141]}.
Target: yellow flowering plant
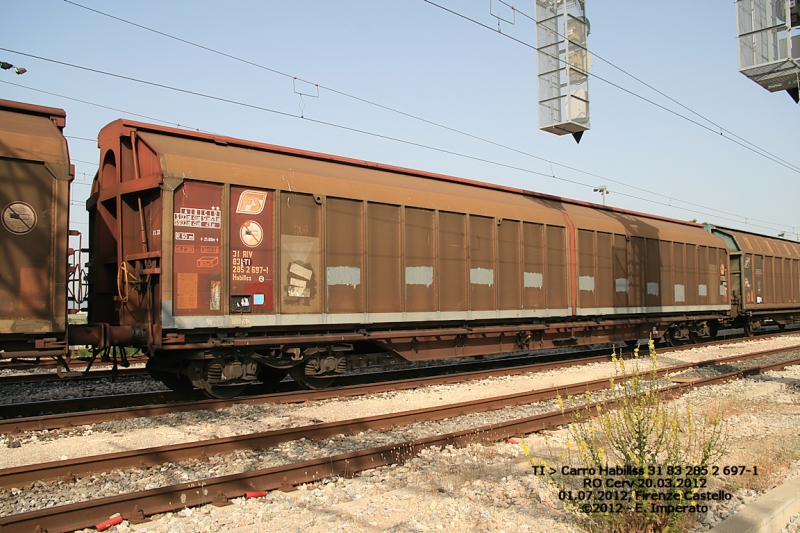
{"type": "Point", "coordinates": [640, 460]}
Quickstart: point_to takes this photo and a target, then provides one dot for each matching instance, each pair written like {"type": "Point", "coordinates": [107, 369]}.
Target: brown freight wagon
{"type": "Point", "coordinates": [765, 278]}
{"type": "Point", "coordinates": [35, 176]}
{"type": "Point", "coordinates": [246, 260]}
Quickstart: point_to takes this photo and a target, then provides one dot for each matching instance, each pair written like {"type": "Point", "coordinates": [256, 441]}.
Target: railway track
{"type": "Point", "coordinates": [16, 477]}
{"type": "Point", "coordinates": [102, 369]}
{"type": "Point", "coordinates": [218, 490]}
{"type": "Point", "coordinates": [52, 364]}
{"type": "Point", "coordinates": [52, 377]}
{"type": "Point", "coordinates": [58, 414]}
{"type": "Point", "coordinates": [80, 411]}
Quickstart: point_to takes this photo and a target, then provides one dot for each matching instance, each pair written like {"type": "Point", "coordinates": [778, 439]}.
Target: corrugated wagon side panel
{"type": "Point", "coordinates": [384, 259]}
{"type": "Point", "coordinates": [679, 273]}
{"type": "Point", "coordinates": [300, 263]}
{"type": "Point", "coordinates": [787, 280]}
{"type": "Point", "coordinates": [605, 271]}
{"type": "Point", "coordinates": [621, 280]}
{"type": "Point", "coordinates": [769, 281]}
{"type": "Point", "coordinates": [667, 274]}
{"type": "Point", "coordinates": [587, 282]}
{"type": "Point", "coordinates": [509, 266]}
{"type": "Point", "coordinates": [713, 276]}
{"type": "Point", "coordinates": [637, 274]}
{"type": "Point", "coordinates": [420, 261]}
{"type": "Point", "coordinates": [653, 291]}
{"type": "Point", "coordinates": [344, 256]}
{"type": "Point", "coordinates": [691, 274]}
{"type": "Point", "coordinates": [702, 275]}
{"type": "Point", "coordinates": [723, 275]}
{"type": "Point", "coordinates": [534, 268]}
{"type": "Point", "coordinates": [452, 262]}
{"type": "Point", "coordinates": [482, 281]}
{"type": "Point", "coordinates": [556, 268]}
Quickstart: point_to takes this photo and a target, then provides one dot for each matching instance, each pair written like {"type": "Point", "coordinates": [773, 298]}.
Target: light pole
{"type": "Point", "coordinates": [602, 189]}
{"type": "Point", "coordinates": [8, 66]}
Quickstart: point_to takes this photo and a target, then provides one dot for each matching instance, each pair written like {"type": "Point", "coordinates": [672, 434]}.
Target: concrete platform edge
{"type": "Point", "coordinates": [769, 513]}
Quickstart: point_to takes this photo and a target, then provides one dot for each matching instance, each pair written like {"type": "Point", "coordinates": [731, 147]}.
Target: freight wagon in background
{"type": "Point", "coordinates": [765, 274]}
{"type": "Point", "coordinates": [39, 271]}
{"type": "Point", "coordinates": [232, 262]}
{"type": "Point", "coordinates": [35, 176]}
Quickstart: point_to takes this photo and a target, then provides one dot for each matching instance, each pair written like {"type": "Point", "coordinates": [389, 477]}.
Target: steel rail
{"type": "Point", "coordinates": [28, 363]}
{"type": "Point", "coordinates": [185, 402]}
{"type": "Point", "coordinates": [136, 506]}
{"type": "Point", "coordinates": [19, 476]}
{"type": "Point", "coordinates": [44, 377]}
{"type": "Point", "coordinates": [62, 420]}
{"type": "Point", "coordinates": [54, 378]}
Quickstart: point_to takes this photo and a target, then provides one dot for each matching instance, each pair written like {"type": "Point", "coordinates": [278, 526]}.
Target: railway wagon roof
{"type": "Point", "coordinates": [627, 223]}
{"type": "Point", "coordinates": [761, 244]}
{"type": "Point", "coordinates": [33, 133]}
{"type": "Point", "coordinates": [201, 156]}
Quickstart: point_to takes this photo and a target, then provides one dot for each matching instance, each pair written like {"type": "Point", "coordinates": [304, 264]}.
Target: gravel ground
{"type": "Point", "coordinates": [478, 488]}
{"type": "Point", "coordinates": [40, 392]}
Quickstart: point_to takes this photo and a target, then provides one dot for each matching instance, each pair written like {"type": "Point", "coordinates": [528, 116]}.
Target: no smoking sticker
{"type": "Point", "coordinates": [19, 218]}
{"type": "Point", "coordinates": [251, 233]}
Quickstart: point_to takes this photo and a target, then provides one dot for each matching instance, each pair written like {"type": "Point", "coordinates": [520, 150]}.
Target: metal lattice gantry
{"type": "Point", "coordinates": [769, 43]}
{"type": "Point", "coordinates": [563, 66]}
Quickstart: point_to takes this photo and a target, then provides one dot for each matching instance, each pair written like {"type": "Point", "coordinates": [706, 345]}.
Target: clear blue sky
{"type": "Point", "coordinates": [414, 57]}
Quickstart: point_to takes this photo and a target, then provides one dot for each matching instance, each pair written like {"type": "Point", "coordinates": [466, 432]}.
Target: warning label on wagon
{"type": "Point", "coordinates": [198, 218]}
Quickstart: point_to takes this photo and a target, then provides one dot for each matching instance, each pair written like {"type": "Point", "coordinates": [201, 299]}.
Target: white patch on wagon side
{"type": "Point", "coordinates": [621, 285]}
{"type": "Point", "coordinates": [679, 294]}
{"type": "Point", "coordinates": [532, 280]}
{"type": "Point", "coordinates": [481, 276]}
{"type": "Point", "coordinates": [344, 275]}
{"type": "Point", "coordinates": [586, 283]}
{"type": "Point", "coordinates": [420, 275]}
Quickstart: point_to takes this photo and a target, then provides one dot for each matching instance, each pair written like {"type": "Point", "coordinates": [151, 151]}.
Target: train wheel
{"type": "Point", "coordinates": [781, 327]}
{"type": "Point", "coordinates": [748, 329]}
{"type": "Point", "coordinates": [171, 379]}
{"type": "Point", "coordinates": [222, 392]}
{"type": "Point", "coordinates": [298, 374]}
{"type": "Point", "coordinates": [176, 383]}
{"type": "Point", "coordinates": [713, 329]}
{"type": "Point", "coordinates": [209, 376]}
{"type": "Point", "coordinates": [669, 338]}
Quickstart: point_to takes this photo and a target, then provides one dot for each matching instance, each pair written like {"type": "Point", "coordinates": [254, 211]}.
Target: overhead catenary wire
{"type": "Point", "coordinates": [668, 97]}
{"type": "Point", "coordinates": [738, 219]}
{"type": "Point", "coordinates": [756, 149]}
{"type": "Point", "coordinates": [744, 144]}
{"type": "Point", "coordinates": [94, 104]}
